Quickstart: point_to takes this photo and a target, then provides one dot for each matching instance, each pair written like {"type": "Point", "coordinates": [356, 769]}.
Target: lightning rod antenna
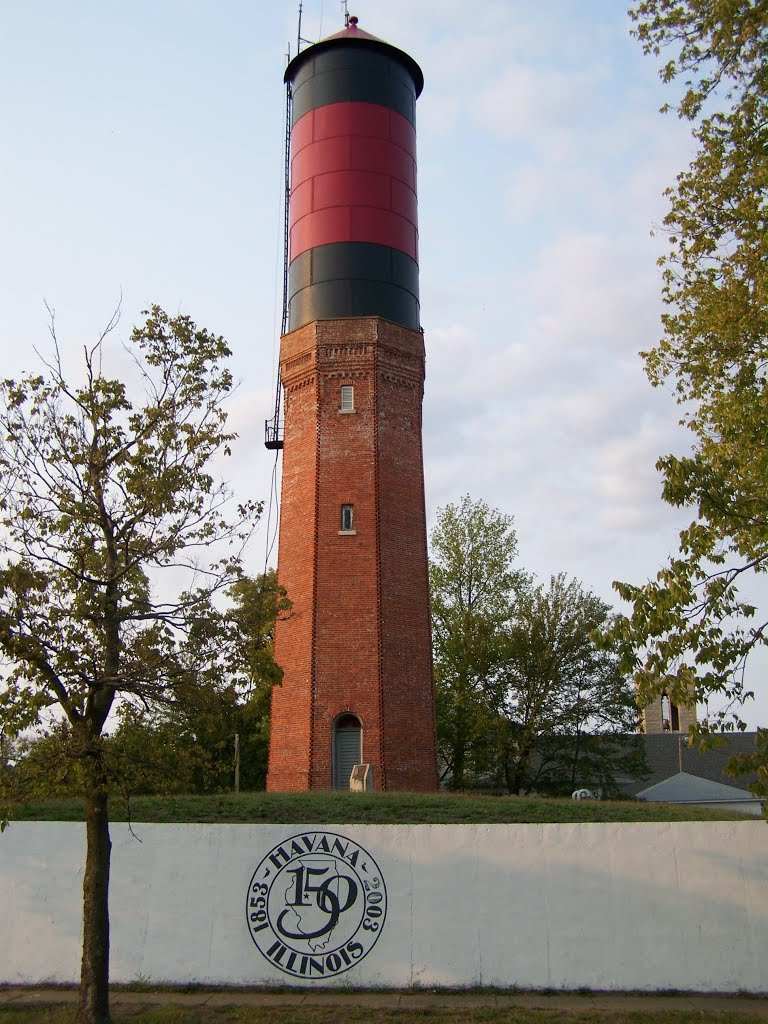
{"type": "Point", "coordinates": [299, 37]}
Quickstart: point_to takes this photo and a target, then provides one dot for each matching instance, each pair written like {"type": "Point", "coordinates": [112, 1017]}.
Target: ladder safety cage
{"type": "Point", "coordinates": [273, 429]}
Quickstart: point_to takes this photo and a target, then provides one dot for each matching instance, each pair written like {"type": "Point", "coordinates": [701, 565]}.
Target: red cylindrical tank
{"type": "Point", "coordinates": [353, 223]}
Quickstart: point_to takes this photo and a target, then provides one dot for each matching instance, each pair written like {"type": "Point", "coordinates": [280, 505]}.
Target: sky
{"type": "Point", "coordinates": [141, 161]}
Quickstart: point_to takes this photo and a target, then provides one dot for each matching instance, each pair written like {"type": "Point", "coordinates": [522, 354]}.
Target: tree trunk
{"type": "Point", "coordinates": [94, 969]}
{"type": "Point", "coordinates": [517, 773]}
{"type": "Point", "coordinates": [507, 773]}
{"type": "Point", "coordinates": [459, 758]}
{"type": "Point", "coordinates": [575, 759]}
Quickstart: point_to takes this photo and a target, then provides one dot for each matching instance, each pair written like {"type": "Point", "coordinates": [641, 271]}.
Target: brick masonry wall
{"type": "Point", "coordinates": [290, 751]}
{"type": "Point", "coordinates": [408, 708]}
{"type": "Point", "coordinates": [358, 638]}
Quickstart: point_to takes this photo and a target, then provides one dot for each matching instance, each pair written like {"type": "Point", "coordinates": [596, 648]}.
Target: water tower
{"type": "Point", "coordinates": [356, 648]}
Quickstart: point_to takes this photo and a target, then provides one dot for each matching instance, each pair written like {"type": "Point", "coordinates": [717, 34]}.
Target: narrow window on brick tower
{"type": "Point", "coordinates": [347, 398]}
{"type": "Point", "coordinates": [347, 519]}
{"type": "Point", "coordinates": [347, 748]}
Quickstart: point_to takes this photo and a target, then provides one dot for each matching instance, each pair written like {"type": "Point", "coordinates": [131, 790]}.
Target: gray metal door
{"type": "Point", "coordinates": [347, 750]}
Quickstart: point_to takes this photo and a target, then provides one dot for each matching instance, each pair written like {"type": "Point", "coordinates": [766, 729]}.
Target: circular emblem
{"type": "Point", "coordinates": [316, 905]}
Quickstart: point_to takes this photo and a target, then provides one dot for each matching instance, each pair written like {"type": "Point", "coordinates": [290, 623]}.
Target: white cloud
{"type": "Point", "coordinates": [527, 102]}
{"type": "Point", "coordinates": [626, 482]}
{"type": "Point", "coordinates": [533, 189]}
{"type": "Point", "coordinates": [543, 409]}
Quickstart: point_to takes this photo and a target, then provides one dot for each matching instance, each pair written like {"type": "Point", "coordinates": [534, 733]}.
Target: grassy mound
{"type": "Point", "coordinates": [322, 807]}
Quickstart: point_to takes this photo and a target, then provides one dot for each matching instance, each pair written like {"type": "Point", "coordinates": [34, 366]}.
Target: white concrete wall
{"type": "Point", "coordinates": [609, 906]}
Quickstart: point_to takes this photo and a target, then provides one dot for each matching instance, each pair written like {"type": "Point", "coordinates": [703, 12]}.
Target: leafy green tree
{"type": "Point", "coordinates": [258, 602]}
{"type": "Point", "coordinates": [113, 531]}
{"type": "Point", "coordinates": [473, 588]}
{"type": "Point", "coordinates": [564, 706]}
{"type": "Point", "coordinates": [690, 631]}
{"type": "Point", "coordinates": [140, 756]}
{"type": "Point", "coordinates": [224, 700]}
{"type": "Point", "coordinates": [10, 753]}
{"type": "Point", "coordinates": [756, 761]}
{"type": "Point", "coordinates": [185, 745]}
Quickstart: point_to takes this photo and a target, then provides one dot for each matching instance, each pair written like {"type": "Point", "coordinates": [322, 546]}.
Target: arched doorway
{"type": "Point", "coordinates": [347, 748]}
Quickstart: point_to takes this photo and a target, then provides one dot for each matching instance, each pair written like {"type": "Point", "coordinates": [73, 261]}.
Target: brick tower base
{"type": "Point", "coordinates": [357, 641]}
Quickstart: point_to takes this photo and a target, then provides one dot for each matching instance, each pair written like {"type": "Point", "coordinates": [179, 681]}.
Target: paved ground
{"type": "Point", "coordinates": [704, 1004]}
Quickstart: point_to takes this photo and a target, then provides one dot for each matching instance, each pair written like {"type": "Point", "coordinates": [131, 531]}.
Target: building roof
{"type": "Point", "coordinates": [352, 32]}
{"type": "Point", "coordinates": [668, 754]}
{"type": "Point", "coordinates": [684, 788]}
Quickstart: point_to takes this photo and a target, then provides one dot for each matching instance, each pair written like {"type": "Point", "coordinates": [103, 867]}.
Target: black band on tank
{"type": "Point", "coordinates": [337, 300]}
{"type": "Point", "coordinates": [353, 73]}
{"type": "Point", "coordinates": [356, 261]}
{"type": "Point", "coordinates": [347, 279]}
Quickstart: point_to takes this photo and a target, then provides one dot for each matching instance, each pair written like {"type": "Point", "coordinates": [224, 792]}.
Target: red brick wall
{"type": "Point", "coordinates": [290, 753]}
{"type": "Point", "coordinates": [358, 637]}
{"type": "Point", "coordinates": [408, 708]}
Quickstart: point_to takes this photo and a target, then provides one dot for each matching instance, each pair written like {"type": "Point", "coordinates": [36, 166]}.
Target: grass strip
{"type": "Point", "coordinates": [169, 1014]}
{"type": "Point", "coordinates": [327, 807]}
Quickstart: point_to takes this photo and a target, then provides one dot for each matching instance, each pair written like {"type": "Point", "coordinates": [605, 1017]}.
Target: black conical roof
{"type": "Point", "coordinates": [354, 34]}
